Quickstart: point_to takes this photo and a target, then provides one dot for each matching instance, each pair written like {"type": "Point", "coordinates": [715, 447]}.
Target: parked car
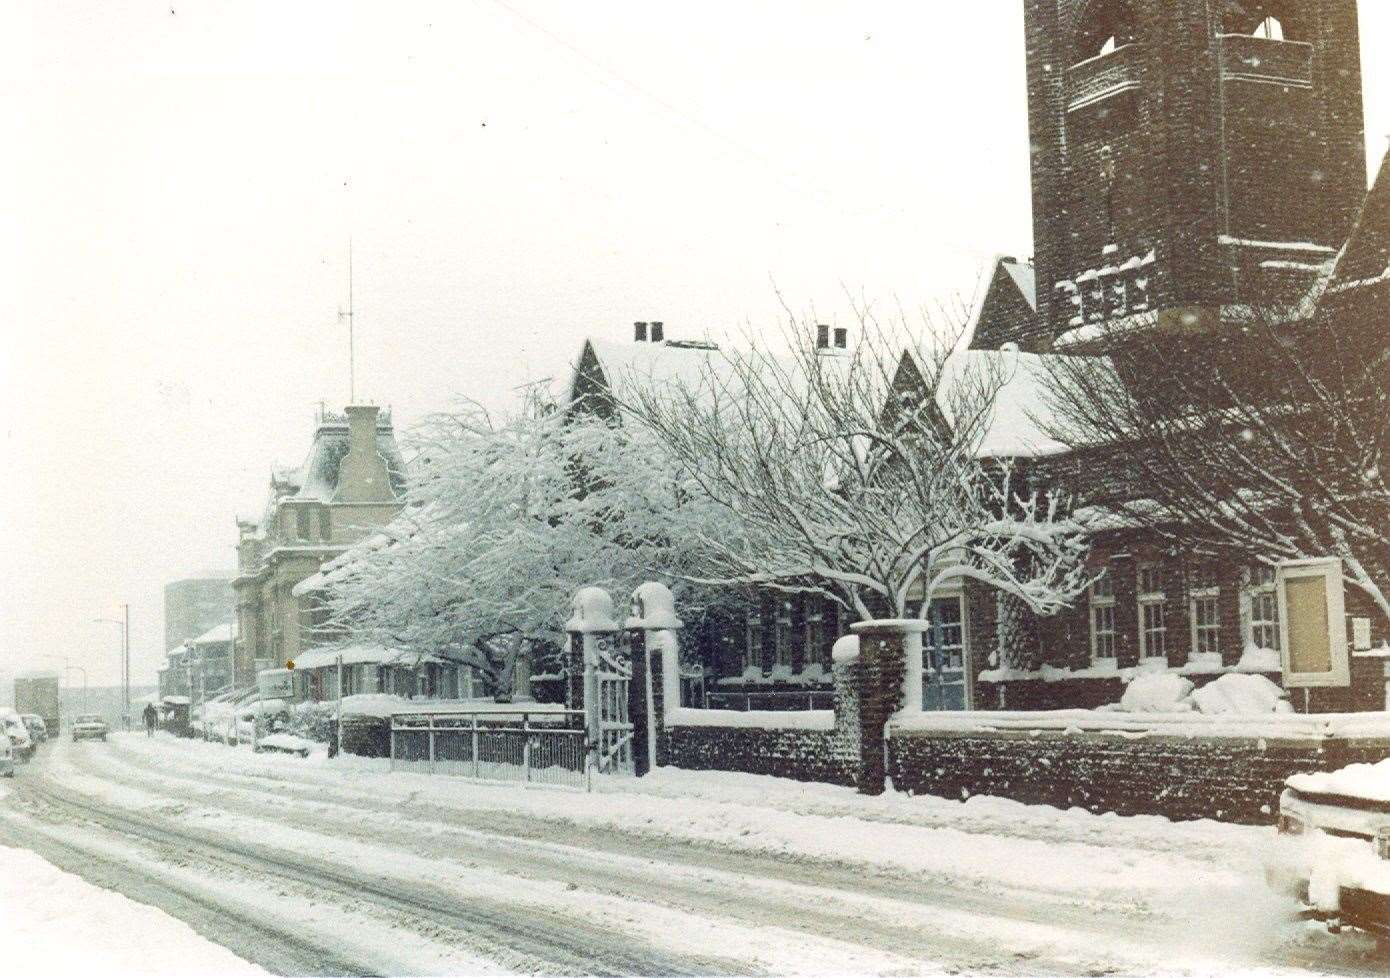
{"type": "Point", "coordinates": [89, 726]}
{"type": "Point", "coordinates": [6, 756]}
{"type": "Point", "coordinates": [18, 733]}
{"type": "Point", "coordinates": [38, 730]}
{"type": "Point", "coordinates": [1334, 851]}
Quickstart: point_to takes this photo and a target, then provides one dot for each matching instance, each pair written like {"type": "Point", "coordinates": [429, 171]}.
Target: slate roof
{"type": "Point", "coordinates": [1366, 258]}
{"type": "Point", "coordinates": [317, 478]}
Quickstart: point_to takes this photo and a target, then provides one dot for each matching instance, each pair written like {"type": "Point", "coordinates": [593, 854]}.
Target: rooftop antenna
{"type": "Point", "coordinates": [347, 317]}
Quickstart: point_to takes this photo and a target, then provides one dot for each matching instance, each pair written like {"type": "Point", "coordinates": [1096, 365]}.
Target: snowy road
{"type": "Point", "coordinates": [315, 867]}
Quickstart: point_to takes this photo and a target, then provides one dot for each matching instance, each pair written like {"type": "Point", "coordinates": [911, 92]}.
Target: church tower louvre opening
{"type": "Point", "coordinates": [1188, 155]}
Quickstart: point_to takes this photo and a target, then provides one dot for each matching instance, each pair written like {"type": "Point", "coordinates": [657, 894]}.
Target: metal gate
{"type": "Point", "coordinates": [606, 685]}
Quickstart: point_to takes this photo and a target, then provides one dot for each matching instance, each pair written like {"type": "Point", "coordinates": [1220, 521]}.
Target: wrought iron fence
{"type": "Point", "coordinates": [744, 700]}
{"type": "Point", "coordinates": [530, 747]}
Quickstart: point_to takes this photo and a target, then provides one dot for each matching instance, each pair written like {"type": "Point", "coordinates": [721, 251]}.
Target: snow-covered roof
{"type": "Point", "coordinates": [1366, 258]}
{"type": "Point", "coordinates": [355, 655]}
{"type": "Point", "coordinates": [219, 633]}
{"type": "Point", "coordinates": [345, 563]}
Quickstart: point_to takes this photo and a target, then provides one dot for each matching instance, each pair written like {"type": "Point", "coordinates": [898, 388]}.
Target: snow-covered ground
{"type": "Point", "coordinates": [56, 923]}
{"type": "Point", "coordinates": [677, 872]}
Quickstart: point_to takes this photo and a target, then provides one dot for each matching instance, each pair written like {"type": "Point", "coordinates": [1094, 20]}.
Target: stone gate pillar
{"type": "Point", "coordinates": [590, 626]}
{"type": "Point", "coordinates": [890, 682]}
{"type": "Point", "coordinates": [655, 623]}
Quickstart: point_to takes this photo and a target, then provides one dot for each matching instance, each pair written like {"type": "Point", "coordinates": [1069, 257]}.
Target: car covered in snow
{"type": "Point", "coordinates": [20, 741]}
{"type": "Point", "coordinates": [89, 726]}
{"type": "Point", "coordinates": [38, 730]}
{"type": "Point", "coordinates": [7, 758]}
{"type": "Point", "coordinates": [1334, 850]}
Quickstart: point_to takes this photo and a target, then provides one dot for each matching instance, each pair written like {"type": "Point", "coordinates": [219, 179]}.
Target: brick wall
{"type": "Point", "coordinates": [1230, 779]}
{"type": "Point", "coordinates": [830, 756]}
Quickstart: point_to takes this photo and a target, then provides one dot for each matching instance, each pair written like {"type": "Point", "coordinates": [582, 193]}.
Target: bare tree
{"type": "Point", "coordinates": [1265, 441]}
{"type": "Point", "coordinates": [842, 482]}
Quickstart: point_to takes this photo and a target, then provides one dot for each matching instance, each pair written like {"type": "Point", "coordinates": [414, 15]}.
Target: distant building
{"type": "Point", "coordinates": [195, 604]}
{"type": "Point", "coordinates": [200, 667]}
{"type": "Point", "coordinates": [351, 483]}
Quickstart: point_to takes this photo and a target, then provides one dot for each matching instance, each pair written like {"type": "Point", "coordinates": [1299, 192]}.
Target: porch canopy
{"type": "Point", "coordinates": [373, 655]}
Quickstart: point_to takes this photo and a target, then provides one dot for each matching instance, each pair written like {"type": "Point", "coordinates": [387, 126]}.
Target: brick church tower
{"type": "Point", "coordinates": [1188, 155]}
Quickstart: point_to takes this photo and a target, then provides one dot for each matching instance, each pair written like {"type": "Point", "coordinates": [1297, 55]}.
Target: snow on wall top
{"type": "Point", "coordinates": [1297, 726]}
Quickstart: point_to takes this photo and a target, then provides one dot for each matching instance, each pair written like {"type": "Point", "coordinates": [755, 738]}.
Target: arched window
{"type": "Point", "coordinates": [1102, 27]}
{"type": "Point", "coordinates": [1277, 20]}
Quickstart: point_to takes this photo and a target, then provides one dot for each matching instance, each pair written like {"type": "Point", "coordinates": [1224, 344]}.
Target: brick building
{"type": "Point", "coordinates": [1193, 159]}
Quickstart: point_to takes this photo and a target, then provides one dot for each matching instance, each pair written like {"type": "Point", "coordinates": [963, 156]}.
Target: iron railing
{"type": "Point", "coordinates": [529, 747]}
{"type": "Point", "coordinates": [745, 700]}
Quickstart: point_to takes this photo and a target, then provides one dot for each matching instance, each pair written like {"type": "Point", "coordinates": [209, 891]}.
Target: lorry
{"type": "Point", "coordinates": [38, 694]}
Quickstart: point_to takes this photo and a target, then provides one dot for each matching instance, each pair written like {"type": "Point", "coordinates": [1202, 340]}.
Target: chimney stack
{"type": "Point", "coordinates": [639, 331]}
{"type": "Point", "coordinates": [822, 336]}
{"type": "Point", "coordinates": [841, 338]}
{"type": "Point", "coordinates": [658, 332]}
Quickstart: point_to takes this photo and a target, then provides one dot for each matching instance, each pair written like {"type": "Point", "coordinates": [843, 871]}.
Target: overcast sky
{"type": "Point", "coordinates": [185, 175]}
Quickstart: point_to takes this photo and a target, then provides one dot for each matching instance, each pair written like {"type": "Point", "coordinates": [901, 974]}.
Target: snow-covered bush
{"type": "Point", "coordinates": [312, 720]}
{"type": "Point", "coordinates": [1233, 694]}
{"type": "Point", "coordinates": [1241, 695]}
{"type": "Point", "coordinates": [1157, 693]}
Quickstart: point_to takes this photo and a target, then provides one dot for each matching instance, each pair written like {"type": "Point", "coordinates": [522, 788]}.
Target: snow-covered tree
{"type": "Point", "coordinates": [1265, 442]}
{"type": "Point", "coordinates": [506, 517]}
{"type": "Point", "coordinates": [843, 483]}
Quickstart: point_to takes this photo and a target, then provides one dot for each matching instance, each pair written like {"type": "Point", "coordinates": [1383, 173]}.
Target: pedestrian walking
{"type": "Point", "coordinates": [151, 716]}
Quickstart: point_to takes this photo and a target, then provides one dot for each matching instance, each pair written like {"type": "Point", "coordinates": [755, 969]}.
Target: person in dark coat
{"type": "Point", "coordinates": [151, 716]}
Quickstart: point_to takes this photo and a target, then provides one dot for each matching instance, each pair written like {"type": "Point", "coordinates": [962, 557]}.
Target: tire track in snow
{"type": "Point", "coordinates": [561, 945]}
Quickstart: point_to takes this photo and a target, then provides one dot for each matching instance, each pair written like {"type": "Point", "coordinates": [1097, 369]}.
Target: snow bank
{"type": "Point", "coordinates": [287, 743]}
{"type": "Point", "coordinates": [752, 719]}
{"type": "Point", "coordinates": [1157, 693]}
{"type": "Point", "coordinates": [1245, 695]}
{"type": "Point", "coordinates": [1259, 660]}
{"type": "Point", "coordinates": [1369, 781]}
{"type": "Point", "coordinates": [55, 923]}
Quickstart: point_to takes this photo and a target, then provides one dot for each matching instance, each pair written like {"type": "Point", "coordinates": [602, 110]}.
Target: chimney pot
{"type": "Point", "coordinates": [658, 332]}
{"type": "Point", "coordinates": [841, 338]}
{"type": "Point", "coordinates": [639, 331]}
{"type": "Point", "coordinates": [822, 336]}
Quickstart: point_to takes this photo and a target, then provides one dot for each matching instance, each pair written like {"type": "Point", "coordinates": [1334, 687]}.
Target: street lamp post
{"type": "Point", "coordinates": [69, 667]}
{"type": "Point", "coordinates": [124, 623]}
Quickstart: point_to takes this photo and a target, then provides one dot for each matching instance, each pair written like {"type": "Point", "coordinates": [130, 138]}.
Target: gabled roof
{"type": "Point", "coordinates": [1366, 258]}
{"type": "Point", "coordinates": [1006, 308]}
{"type": "Point", "coordinates": [609, 365]}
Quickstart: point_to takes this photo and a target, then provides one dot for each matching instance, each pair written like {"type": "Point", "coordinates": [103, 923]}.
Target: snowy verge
{"type": "Point", "coordinates": [684, 716]}
{"type": "Point", "coordinates": [55, 923]}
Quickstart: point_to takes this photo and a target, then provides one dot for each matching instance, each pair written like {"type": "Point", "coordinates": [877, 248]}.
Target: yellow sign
{"type": "Point", "coordinates": [289, 664]}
